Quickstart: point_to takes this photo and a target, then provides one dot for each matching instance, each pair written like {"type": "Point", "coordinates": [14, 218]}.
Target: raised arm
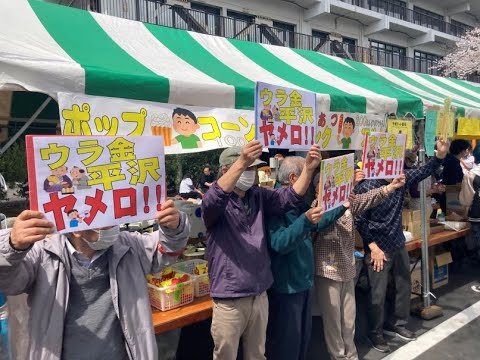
{"type": "Point", "coordinates": [312, 163]}
{"type": "Point", "coordinates": [417, 175]}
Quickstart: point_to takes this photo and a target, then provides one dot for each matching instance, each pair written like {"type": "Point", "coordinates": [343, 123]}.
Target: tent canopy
{"type": "Point", "coordinates": [51, 48]}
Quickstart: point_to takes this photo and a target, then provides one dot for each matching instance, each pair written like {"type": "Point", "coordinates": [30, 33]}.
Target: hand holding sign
{"type": "Point", "coordinates": [250, 153]}
{"type": "Point", "coordinates": [168, 216]}
{"type": "Point", "coordinates": [29, 227]}
{"type": "Point", "coordinates": [442, 149]}
{"type": "Point", "coordinates": [314, 214]}
{"type": "Point", "coordinates": [312, 161]}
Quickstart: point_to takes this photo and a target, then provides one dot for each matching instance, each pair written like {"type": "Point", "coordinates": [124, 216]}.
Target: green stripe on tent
{"type": "Point", "coordinates": [406, 102]}
{"type": "Point", "coordinates": [445, 86]}
{"type": "Point", "coordinates": [184, 46]}
{"type": "Point", "coordinates": [466, 85]}
{"type": "Point", "coordinates": [339, 100]}
{"type": "Point", "coordinates": [399, 74]}
{"type": "Point", "coordinates": [109, 70]}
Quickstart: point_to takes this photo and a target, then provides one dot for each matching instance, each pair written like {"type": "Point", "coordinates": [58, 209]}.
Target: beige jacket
{"type": "Point", "coordinates": [43, 273]}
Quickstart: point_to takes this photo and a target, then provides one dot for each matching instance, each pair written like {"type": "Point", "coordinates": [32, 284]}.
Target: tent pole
{"type": "Point", "coordinates": [25, 126]}
{"type": "Point", "coordinates": [423, 212]}
{"type": "Point", "coordinates": [426, 310]}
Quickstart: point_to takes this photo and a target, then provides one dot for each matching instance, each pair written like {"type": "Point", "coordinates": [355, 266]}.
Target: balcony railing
{"type": "Point", "coordinates": [156, 12]}
{"type": "Point", "coordinates": [409, 15]}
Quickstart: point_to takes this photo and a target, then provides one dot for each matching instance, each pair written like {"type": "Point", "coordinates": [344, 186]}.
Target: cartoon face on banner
{"type": "Point", "coordinates": [91, 182]}
{"type": "Point", "coordinates": [185, 129]}
{"type": "Point", "coordinates": [346, 131]}
{"type": "Point", "coordinates": [285, 118]}
{"type": "Point", "coordinates": [337, 180]}
{"type": "Point", "coordinates": [384, 155]}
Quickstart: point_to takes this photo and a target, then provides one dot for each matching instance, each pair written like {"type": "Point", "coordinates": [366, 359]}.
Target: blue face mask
{"type": "Point", "coordinates": [106, 238]}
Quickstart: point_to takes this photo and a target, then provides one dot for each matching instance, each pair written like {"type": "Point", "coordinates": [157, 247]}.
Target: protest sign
{"type": "Point", "coordinates": [398, 126]}
{"type": "Point", "coordinates": [343, 131]}
{"type": "Point", "coordinates": [446, 121]}
{"type": "Point", "coordinates": [468, 128]}
{"type": "Point", "coordinates": [430, 131]}
{"type": "Point", "coordinates": [82, 182]}
{"type": "Point", "coordinates": [336, 181]}
{"type": "Point", "coordinates": [285, 118]}
{"type": "Point", "coordinates": [185, 129]}
{"type": "Point", "coordinates": [383, 155]}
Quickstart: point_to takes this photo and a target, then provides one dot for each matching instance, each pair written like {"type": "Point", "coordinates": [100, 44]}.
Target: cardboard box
{"type": "Point", "coordinates": [439, 269]}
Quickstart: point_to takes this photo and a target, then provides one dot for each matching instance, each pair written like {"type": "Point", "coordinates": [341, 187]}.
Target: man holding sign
{"type": "Point", "coordinates": [87, 290]}
{"type": "Point", "coordinates": [384, 243]}
{"type": "Point", "coordinates": [234, 213]}
{"type": "Point", "coordinates": [291, 253]}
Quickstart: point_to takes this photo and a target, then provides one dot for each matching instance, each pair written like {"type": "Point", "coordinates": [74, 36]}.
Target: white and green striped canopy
{"type": "Point", "coordinates": [51, 48]}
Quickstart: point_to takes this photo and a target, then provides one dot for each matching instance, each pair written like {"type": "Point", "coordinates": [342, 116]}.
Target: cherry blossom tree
{"type": "Point", "coordinates": [465, 58]}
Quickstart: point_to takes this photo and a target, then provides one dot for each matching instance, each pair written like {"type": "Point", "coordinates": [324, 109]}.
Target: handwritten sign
{"type": "Point", "coordinates": [84, 182]}
{"type": "Point", "coordinates": [336, 181]}
{"type": "Point", "coordinates": [344, 131]}
{"type": "Point", "coordinates": [285, 118]}
{"type": "Point", "coordinates": [185, 129]}
{"type": "Point", "coordinates": [446, 121]}
{"type": "Point", "coordinates": [401, 127]}
{"type": "Point", "coordinates": [383, 155]}
{"type": "Point", "coordinates": [430, 131]}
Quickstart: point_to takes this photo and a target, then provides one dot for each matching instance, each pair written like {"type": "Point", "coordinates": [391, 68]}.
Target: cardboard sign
{"type": "Point", "coordinates": [89, 182]}
{"type": "Point", "coordinates": [344, 131]}
{"type": "Point", "coordinates": [284, 117]}
{"type": "Point", "coordinates": [397, 126]}
{"type": "Point", "coordinates": [185, 129]}
{"type": "Point", "coordinates": [384, 155]}
{"type": "Point", "coordinates": [336, 181]}
{"type": "Point", "coordinates": [430, 132]}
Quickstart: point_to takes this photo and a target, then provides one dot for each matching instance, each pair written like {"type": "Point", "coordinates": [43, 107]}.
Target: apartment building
{"type": "Point", "coordinates": [404, 34]}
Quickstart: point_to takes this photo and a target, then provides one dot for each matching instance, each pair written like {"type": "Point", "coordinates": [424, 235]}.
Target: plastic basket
{"type": "Point", "coordinates": [201, 282]}
{"type": "Point", "coordinates": [171, 297]}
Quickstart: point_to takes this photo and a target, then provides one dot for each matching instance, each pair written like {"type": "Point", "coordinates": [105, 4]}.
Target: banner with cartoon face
{"type": "Point", "coordinates": [346, 131]}
{"type": "Point", "coordinates": [82, 182]}
{"type": "Point", "coordinates": [185, 129]}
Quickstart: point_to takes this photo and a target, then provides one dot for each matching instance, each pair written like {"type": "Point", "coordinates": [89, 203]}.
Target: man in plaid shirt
{"type": "Point", "coordinates": [384, 242]}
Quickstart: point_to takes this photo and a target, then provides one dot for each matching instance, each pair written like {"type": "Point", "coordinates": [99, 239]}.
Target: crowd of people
{"type": "Point", "coordinates": [273, 255]}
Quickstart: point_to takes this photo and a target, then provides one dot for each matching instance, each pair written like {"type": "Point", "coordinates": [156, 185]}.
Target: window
{"type": "Point", "coordinates": [350, 45]}
{"type": "Point", "coordinates": [320, 41]}
{"type": "Point", "coordinates": [208, 17]}
{"type": "Point", "coordinates": [458, 28]}
{"type": "Point", "coordinates": [284, 32]}
{"type": "Point", "coordinates": [428, 18]}
{"type": "Point", "coordinates": [424, 62]}
{"type": "Point", "coordinates": [238, 26]}
{"type": "Point", "coordinates": [388, 55]}
{"type": "Point", "coordinates": [394, 8]}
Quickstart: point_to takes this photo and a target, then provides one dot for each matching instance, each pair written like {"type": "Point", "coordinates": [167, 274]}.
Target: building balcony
{"type": "Point", "coordinates": [156, 12]}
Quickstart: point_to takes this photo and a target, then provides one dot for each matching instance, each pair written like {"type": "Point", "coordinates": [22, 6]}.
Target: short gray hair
{"type": "Point", "coordinates": [290, 165]}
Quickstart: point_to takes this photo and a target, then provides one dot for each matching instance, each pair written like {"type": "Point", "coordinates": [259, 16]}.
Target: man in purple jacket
{"type": "Point", "coordinates": [239, 263]}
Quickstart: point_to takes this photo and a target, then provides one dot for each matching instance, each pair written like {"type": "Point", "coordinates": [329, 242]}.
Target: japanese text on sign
{"type": "Point", "coordinates": [90, 182]}
{"type": "Point", "coordinates": [337, 181]}
{"type": "Point", "coordinates": [383, 155]}
{"type": "Point", "coordinates": [344, 131]}
{"type": "Point", "coordinates": [401, 127]}
{"type": "Point", "coordinates": [185, 129]}
{"type": "Point", "coordinates": [285, 118]}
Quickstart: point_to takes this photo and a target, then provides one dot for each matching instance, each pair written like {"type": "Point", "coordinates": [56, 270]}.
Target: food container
{"type": "Point", "coordinates": [173, 296]}
{"type": "Point", "coordinates": [201, 282]}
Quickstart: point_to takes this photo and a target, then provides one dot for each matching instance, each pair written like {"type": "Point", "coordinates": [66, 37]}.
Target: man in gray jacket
{"type": "Point", "coordinates": [87, 291]}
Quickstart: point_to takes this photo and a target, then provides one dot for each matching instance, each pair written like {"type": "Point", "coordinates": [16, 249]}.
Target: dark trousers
{"type": "Point", "coordinates": [398, 266]}
{"type": "Point", "coordinates": [191, 195]}
{"type": "Point", "coordinates": [289, 325]}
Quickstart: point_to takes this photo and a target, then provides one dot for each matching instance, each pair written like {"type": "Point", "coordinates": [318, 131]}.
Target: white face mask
{"type": "Point", "coordinates": [246, 180]}
{"type": "Point", "coordinates": [106, 238]}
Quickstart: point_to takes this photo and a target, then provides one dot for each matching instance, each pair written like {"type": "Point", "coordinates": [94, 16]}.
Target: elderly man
{"type": "Point", "coordinates": [87, 290]}
{"type": "Point", "coordinates": [239, 263]}
{"type": "Point", "coordinates": [290, 244]}
{"type": "Point", "coordinates": [384, 243]}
